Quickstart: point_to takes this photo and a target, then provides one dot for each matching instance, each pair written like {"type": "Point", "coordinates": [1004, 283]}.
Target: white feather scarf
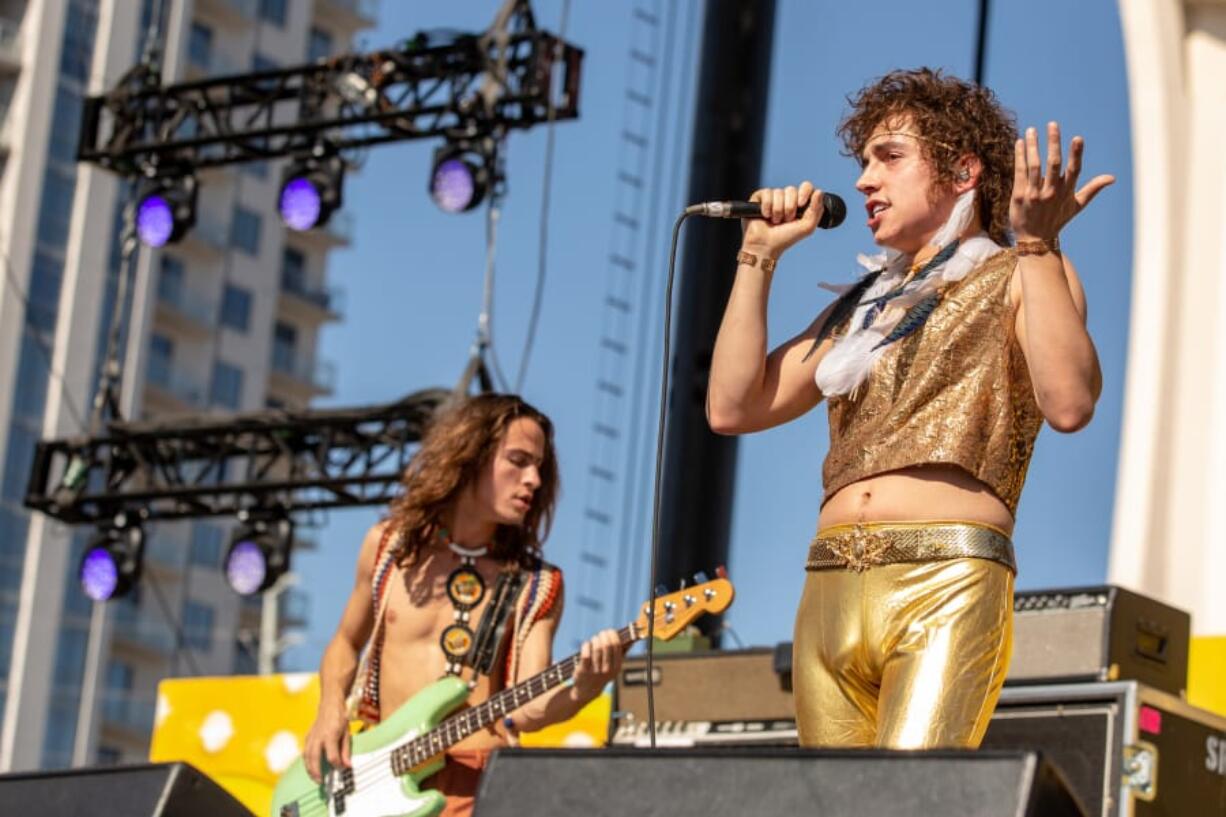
{"type": "Point", "coordinates": [849, 362]}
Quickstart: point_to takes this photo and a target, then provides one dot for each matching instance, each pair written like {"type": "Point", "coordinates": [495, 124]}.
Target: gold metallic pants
{"type": "Point", "coordinates": [904, 656]}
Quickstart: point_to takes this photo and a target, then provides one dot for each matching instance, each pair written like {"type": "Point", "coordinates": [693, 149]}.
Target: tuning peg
{"type": "Point", "coordinates": [682, 587]}
{"type": "Point", "coordinates": [661, 590]}
{"type": "Point", "coordinates": [722, 572]}
{"type": "Point", "coordinates": [701, 577]}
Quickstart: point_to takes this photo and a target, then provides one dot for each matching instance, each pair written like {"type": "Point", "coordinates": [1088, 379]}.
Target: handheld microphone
{"type": "Point", "coordinates": [834, 210]}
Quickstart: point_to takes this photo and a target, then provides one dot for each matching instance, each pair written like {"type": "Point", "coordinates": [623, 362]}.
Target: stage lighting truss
{"type": "Point", "coordinates": [111, 564]}
{"type": "Point", "coordinates": [462, 173]}
{"type": "Point", "coordinates": [311, 189]}
{"type": "Point", "coordinates": [259, 551]}
{"type": "Point", "coordinates": [165, 210]}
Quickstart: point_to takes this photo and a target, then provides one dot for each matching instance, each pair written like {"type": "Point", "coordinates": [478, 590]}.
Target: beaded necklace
{"type": "Point", "coordinates": [465, 589]}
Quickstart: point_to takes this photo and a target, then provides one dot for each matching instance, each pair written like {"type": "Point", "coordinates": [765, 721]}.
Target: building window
{"type": "Point", "coordinates": [70, 657]}
{"type": "Point", "coordinates": [198, 626]}
{"type": "Point", "coordinates": [227, 386]}
{"type": "Point", "coordinates": [236, 308]}
{"type": "Point", "coordinates": [273, 11]}
{"type": "Point", "coordinates": [258, 169]}
{"type": "Point", "coordinates": [55, 213]}
{"type": "Point", "coordinates": [200, 45]}
{"type": "Point", "coordinates": [245, 660]}
{"type": "Point", "coordinates": [206, 544]}
{"type": "Point", "coordinates": [284, 347]}
{"type": "Point", "coordinates": [77, 47]}
{"type": "Point", "coordinates": [319, 45]}
{"type": "Point", "coordinates": [293, 270]}
{"type": "Point", "coordinates": [109, 756]}
{"type": "Point", "coordinates": [245, 231]}
{"type": "Point", "coordinates": [65, 126]}
{"type": "Point", "coordinates": [43, 298]}
{"type": "Point", "coordinates": [259, 62]}
{"type": "Point", "coordinates": [161, 360]}
{"type": "Point", "coordinates": [170, 279]}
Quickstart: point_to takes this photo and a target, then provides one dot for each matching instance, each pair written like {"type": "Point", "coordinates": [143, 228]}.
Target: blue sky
{"type": "Point", "coordinates": [414, 274]}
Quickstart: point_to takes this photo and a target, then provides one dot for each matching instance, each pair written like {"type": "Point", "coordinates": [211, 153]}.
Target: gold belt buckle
{"type": "Point", "coordinates": [861, 549]}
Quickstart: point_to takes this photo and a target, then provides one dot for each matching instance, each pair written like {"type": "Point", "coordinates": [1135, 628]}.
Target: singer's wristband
{"type": "Point", "coordinates": [749, 259]}
{"type": "Point", "coordinates": [1038, 246]}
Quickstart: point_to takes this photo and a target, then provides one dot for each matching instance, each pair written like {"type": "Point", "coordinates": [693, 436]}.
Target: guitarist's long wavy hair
{"type": "Point", "coordinates": [457, 445]}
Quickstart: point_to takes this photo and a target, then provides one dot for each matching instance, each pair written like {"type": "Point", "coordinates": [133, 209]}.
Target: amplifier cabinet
{"type": "Point", "coordinates": [722, 685]}
{"type": "Point", "coordinates": [1098, 634]}
{"type": "Point", "coordinates": [1125, 749]}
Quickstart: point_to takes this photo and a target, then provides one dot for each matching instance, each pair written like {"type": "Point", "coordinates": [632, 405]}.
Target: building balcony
{"type": "Point", "coordinates": [169, 390]}
{"type": "Point", "coordinates": [10, 45]}
{"type": "Point", "coordinates": [348, 14]}
{"type": "Point", "coordinates": [181, 310]}
{"type": "Point", "coordinates": [309, 303]}
{"type": "Point", "coordinates": [145, 635]}
{"type": "Point", "coordinates": [338, 232]}
{"type": "Point", "coordinates": [228, 12]}
{"type": "Point", "coordinates": [299, 376]}
{"type": "Point", "coordinates": [213, 64]}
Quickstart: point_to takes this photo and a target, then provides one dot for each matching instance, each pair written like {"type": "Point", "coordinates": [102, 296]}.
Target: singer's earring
{"type": "Point", "coordinates": [964, 176]}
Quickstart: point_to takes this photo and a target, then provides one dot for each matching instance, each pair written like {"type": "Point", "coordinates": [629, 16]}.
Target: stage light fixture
{"type": "Point", "coordinates": [259, 552]}
{"type": "Point", "coordinates": [311, 189]}
{"type": "Point", "coordinates": [166, 210]}
{"type": "Point", "coordinates": [460, 176]}
{"type": "Point", "coordinates": [111, 565]}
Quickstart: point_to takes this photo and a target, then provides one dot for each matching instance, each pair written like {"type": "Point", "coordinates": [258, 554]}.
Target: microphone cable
{"type": "Point", "coordinates": [655, 509]}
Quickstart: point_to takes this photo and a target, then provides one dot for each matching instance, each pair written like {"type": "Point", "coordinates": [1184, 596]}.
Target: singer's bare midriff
{"type": "Point", "coordinates": [928, 492]}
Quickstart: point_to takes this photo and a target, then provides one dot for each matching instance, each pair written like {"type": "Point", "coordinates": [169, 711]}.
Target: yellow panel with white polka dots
{"type": "Point", "coordinates": [244, 731]}
{"type": "Point", "coordinates": [241, 731]}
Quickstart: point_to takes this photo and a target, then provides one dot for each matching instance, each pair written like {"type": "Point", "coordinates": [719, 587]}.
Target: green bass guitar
{"type": "Point", "coordinates": [390, 761]}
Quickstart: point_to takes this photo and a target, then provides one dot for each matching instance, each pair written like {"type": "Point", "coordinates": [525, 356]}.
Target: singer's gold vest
{"type": "Point", "coordinates": [956, 392]}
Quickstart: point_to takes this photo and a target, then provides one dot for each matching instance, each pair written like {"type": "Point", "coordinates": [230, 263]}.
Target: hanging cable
{"type": "Point", "coordinates": [661, 418]}
{"type": "Point", "coordinates": [543, 231]}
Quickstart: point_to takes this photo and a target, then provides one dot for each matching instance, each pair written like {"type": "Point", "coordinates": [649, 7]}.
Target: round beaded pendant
{"type": "Point", "coordinates": [465, 589]}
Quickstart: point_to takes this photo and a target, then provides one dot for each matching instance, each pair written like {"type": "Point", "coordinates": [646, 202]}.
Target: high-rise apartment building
{"type": "Point", "coordinates": [226, 320]}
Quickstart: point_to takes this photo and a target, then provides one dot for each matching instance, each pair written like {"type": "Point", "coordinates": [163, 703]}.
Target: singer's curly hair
{"type": "Point", "coordinates": [956, 117]}
{"type": "Point", "coordinates": [457, 445]}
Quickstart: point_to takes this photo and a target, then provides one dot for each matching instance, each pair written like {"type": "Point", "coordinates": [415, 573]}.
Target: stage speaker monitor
{"type": "Point", "coordinates": [149, 790]}
{"type": "Point", "coordinates": [830, 783]}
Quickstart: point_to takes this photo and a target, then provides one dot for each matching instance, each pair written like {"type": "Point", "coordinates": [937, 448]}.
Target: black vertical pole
{"type": "Point", "coordinates": [725, 163]}
{"type": "Point", "coordinates": [981, 40]}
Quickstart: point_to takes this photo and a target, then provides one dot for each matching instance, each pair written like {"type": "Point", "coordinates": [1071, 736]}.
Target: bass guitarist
{"type": "Point", "coordinates": [452, 582]}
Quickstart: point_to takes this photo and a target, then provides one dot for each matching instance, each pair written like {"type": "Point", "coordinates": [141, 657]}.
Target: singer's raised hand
{"type": "Point", "coordinates": [1042, 203]}
{"type": "Point", "coordinates": [779, 227]}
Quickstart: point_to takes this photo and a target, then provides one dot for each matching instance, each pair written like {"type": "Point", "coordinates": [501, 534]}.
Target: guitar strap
{"type": "Point", "coordinates": [490, 642]}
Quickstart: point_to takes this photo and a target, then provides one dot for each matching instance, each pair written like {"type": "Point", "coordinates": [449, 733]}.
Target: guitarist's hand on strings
{"type": "Point", "coordinates": [600, 659]}
{"type": "Point", "coordinates": [329, 737]}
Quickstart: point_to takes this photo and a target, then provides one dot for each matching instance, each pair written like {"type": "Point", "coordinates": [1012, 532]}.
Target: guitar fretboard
{"type": "Point", "coordinates": [457, 727]}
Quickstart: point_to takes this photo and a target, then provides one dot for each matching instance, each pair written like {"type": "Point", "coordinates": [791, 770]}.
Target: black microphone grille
{"type": "Point", "coordinates": [834, 210]}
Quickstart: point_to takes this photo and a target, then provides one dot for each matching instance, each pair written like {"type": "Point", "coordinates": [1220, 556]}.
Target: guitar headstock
{"type": "Point", "coordinates": [676, 611]}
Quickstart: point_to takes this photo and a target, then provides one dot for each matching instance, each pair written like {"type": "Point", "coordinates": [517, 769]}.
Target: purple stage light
{"type": "Point", "coordinates": [452, 186]}
{"type": "Point", "coordinates": [154, 220]}
{"type": "Point", "coordinates": [246, 567]}
{"type": "Point", "coordinates": [300, 204]}
{"type": "Point", "coordinates": [99, 574]}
